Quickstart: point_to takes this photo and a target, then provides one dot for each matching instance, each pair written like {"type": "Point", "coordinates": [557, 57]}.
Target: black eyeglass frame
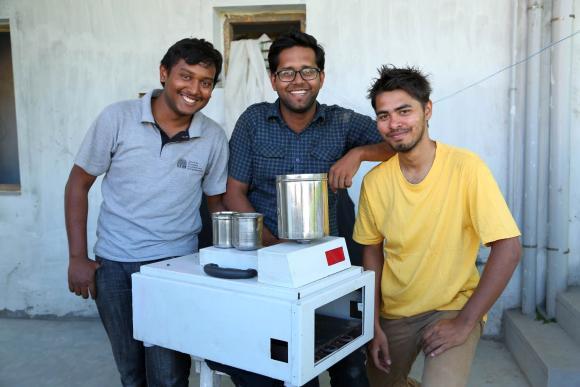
{"type": "Point", "coordinates": [317, 73]}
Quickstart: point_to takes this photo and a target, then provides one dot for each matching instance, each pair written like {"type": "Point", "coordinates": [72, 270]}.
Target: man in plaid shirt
{"type": "Point", "coordinates": [298, 135]}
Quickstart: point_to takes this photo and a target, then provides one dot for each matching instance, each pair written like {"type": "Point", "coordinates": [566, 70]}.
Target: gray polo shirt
{"type": "Point", "coordinates": [151, 194]}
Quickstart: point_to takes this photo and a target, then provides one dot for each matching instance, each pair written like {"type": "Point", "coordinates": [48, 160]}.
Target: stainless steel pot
{"type": "Point", "coordinates": [221, 223]}
{"type": "Point", "coordinates": [247, 230]}
{"type": "Point", "coordinates": [302, 203]}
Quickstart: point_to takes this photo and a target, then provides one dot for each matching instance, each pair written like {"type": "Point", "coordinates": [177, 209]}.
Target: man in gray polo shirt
{"type": "Point", "coordinates": [157, 155]}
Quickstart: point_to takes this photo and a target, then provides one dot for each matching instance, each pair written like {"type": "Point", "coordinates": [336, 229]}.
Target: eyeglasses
{"type": "Point", "coordinates": [288, 75]}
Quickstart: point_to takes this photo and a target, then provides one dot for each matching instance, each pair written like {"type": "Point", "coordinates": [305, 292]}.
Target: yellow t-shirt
{"type": "Point", "coordinates": [431, 230]}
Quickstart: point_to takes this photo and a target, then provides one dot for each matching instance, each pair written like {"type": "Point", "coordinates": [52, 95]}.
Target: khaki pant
{"type": "Point", "coordinates": [449, 369]}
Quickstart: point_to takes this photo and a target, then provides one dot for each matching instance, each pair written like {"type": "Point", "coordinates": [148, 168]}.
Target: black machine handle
{"type": "Point", "coordinates": [214, 270]}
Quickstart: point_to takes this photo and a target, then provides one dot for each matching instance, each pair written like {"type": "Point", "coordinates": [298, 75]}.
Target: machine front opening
{"type": "Point", "coordinates": [338, 323]}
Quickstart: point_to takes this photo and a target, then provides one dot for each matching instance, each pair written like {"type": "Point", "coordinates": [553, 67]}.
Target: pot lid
{"type": "Point", "coordinates": [303, 177]}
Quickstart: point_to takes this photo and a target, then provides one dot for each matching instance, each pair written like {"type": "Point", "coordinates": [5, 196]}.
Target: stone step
{"type": "Point", "coordinates": [568, 312]}
{"type": "Point", "coordinates": [545, 353]}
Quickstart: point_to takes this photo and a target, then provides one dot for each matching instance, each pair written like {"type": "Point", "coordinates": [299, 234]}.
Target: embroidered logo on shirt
{"type": "Point", "coordinates": [189, 165]}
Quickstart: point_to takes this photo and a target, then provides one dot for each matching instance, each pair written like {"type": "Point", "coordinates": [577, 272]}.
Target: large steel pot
{"type": "Point", "coordinates": [302, 203]}
{"type": "Point", "coordinates": [247, 230]}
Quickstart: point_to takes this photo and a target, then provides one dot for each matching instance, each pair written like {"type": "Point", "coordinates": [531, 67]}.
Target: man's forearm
{"type": "Point", "coordinates": [215, 203]}
{"type": "Point", "coordinates": [374, 152]}
{"type": "Point", "coordinates": [76, 211]}
{"type": "Point", "coordinates": [236, 199]}
{"type": "Point", "coordinates": [502, 261]}
{"type": "Point", "coordinates": [238, 202]}
{"type": "Point", "coordinates": [236, 196]}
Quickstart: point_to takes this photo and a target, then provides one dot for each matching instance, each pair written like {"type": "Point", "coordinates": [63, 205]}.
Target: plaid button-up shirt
{"type": "Point", "coordinates": [263, 146]}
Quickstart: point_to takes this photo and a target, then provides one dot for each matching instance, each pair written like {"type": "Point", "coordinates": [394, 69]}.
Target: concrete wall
{"type": "Point", "coordinates": [9, 170]}
{"type": "Point", "coordinates": [574, 259]}
{"type": "Point", "coordinates": [72, 58]}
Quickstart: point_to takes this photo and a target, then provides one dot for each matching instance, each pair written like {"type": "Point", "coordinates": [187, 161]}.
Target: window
{"type": "Point", "coordinates": [9, 165]}
{"type": "Point", "coordinates": [238, 25]}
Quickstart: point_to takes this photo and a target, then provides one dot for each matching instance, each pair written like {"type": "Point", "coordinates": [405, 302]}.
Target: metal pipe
{"type": "Point", "coordinates": [529, 236]}
{"type": "Point", "coordinates": [515, 179]}
{"type": "Point", "coordinates": [515, 134]}
{"type": "Point", "coordinates": [559, 189]}
{"type": "Point", "coordinates": [543, 160]}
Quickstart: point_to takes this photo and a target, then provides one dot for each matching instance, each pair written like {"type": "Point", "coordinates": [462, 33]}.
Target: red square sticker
{"type": "Point", "coordinates": [334, 256]}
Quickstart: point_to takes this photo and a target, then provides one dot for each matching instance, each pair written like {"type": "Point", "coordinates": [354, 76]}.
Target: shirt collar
{"type": "Point", "coordinates": [195, 126]}
{"type": "Point", "coordinates": [274, 112]}
{"type": "Point", "coordinates": [146, 112]}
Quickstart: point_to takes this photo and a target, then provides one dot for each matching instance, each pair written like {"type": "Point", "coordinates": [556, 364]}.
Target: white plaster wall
{"type": "Point", "coordinates": [457, 43]}
{"type": "Point", "coordinates": [574, 257]}
{"type": "Point", "coordinates": [72, 58]}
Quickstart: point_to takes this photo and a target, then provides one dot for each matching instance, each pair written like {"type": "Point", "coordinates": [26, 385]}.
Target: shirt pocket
{"type": "Point", "coordinates": [270, 160]}
{"type": "Point", "coordinates": [323, 157]}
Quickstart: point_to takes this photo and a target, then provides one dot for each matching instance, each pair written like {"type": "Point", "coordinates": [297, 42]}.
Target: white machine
{"type": "Point", "coordinates": [306, 310]}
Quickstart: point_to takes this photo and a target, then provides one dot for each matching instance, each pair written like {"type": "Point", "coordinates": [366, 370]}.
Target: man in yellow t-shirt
{"type": "Point", "coordinates": [422, 216]}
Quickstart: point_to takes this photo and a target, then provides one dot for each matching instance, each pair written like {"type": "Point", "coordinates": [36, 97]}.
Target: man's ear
{"type": "Point", "coordinates": [273, 81]}
{"type": "Point", "coordinates": [163, 74]}
{"type": "Point", "coordinates": [428, 110]}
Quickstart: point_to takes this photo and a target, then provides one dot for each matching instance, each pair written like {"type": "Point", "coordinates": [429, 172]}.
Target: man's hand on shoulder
{"type": "Point", "coordinates": [445, 334]}
{"type": "Point", "coordinates": [341, 173]}
{"type": "Point", "coordinates": [379, 350]}
{"type": "Point", "coordinates": [81, 277]}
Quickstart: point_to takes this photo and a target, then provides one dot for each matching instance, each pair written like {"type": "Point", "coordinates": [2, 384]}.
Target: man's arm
{"type": "Point", "coordinates": [215, 203]}
{"type": "Point", "coordinates": [236, 199]}
{"type": "Point", "coordinates": [81, 269]}
{"type": "Point", "coordinates": [502, 261]}
{"type": "Point", "coordinates": [379, 346]}
{"type": "Point", "coordinates": [341, 173]}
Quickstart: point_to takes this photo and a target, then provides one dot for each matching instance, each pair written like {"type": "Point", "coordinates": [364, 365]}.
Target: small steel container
{"type": "Point", "coordinates": [247, 230]}
{"type": "Point", "coordinates": [222, 229]}
{"type": "Point", "coordinates": [302, 204]}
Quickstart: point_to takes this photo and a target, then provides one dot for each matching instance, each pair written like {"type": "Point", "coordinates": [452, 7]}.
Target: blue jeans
{"type": "Point", "coordinates": [139, 366]}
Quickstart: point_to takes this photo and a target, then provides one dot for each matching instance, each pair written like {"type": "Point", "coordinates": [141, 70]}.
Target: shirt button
{"type": "Point", "coordinates": [297, 160]}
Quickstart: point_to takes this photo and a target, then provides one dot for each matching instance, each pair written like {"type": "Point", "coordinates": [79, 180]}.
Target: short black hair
{"type": "Point", "coordinates": [409, 79]}
{"type": "Point", "coordinates": [293, 39]}
{"type": "Point", "coordinates": [193, 51]}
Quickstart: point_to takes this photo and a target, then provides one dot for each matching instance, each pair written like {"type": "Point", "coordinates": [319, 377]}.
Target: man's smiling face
{"type": "Point", "coordinates": [299, 95]}
{"type": "Point", "coordinates": [401, 119]}
{"type": "Point", "coordinates": [187, 88]}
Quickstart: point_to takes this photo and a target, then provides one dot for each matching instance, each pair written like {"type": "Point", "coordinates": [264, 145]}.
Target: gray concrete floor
{"type": "Point", "coordinates": [57, 353]}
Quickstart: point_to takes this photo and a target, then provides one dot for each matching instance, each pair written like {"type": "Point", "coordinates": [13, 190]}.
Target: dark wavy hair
{"type": "Point", "coordinates": [293, 39]}
{"type": "Point", "coordinates": [409, 79]}
{"type": "Point", "coordinates": [193, 51]}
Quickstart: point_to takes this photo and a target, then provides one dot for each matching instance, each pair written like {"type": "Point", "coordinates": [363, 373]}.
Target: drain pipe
{"type": "Point", "coordinates": [543, 164]}
{"type": "Point", "coordinates": [516, 119]}
{"type": "Point", "coordinates": [559, 189]}
{"type": "Point", "coordinates": [531, 150]}
{"type": "Point", "coordinates": [515, 175]}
